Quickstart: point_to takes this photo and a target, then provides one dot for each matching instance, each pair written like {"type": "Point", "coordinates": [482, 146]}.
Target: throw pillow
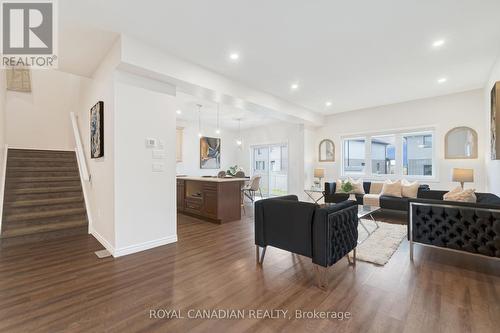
{"type": "Point", "coordinates": [338, 185]}
{"type": "Point", "coordinates": [391, 189]}
{"type": "Point", "coordinates": [376, 188]}
{"type": "Point", "coordinates": [357, 186]}
{"type": "Point", "coordinates": [457, 194]}
{"type": "Point", "coordinates": [409, 190]}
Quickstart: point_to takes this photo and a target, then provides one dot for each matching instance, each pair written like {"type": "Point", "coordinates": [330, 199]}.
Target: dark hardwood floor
{"type": "Point", "coordinates": [60, 285]}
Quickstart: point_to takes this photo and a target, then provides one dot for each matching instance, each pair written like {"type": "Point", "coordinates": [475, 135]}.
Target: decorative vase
{"type": "Point", "coordinates": [352, 197]}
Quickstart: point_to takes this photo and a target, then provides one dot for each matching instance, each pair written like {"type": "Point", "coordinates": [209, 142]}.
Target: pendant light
{"type": "Point", "coordinates": [218, 123]}
{"type": "Point", "coordinates": [238, 141]}
{"type": "Point", "coordinates": [199, 120]}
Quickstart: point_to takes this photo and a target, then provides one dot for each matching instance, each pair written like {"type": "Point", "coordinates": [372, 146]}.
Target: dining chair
{"type": "Point", "coordinates": [252, 187]}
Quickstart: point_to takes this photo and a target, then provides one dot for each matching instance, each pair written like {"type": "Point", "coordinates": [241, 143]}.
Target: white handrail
{"type": "Point", "coordinates": [80, 155]}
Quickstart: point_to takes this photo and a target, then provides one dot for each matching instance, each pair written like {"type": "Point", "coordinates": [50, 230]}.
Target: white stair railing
{"type": "Point", "coordinates": [80, 154]}
{"type": "Point", "coordinates": [85, 177]}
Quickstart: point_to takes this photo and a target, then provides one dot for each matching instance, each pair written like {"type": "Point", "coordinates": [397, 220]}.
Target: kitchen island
{"type": "Point", "coordinates": [212, 199]}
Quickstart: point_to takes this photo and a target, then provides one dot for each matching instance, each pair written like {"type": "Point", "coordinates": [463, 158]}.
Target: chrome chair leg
{"type": "Point", "coordinates": [260, 258]}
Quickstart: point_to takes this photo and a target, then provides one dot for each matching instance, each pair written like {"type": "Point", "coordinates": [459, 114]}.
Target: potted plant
{"type": "Point", "coordinates": [233, 170]}
{"type": "Point", "coordinates": [347, 187]}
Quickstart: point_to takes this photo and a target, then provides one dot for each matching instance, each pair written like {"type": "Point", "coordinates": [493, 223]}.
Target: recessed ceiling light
{"type": "Point", "coordinates": [294, 86]}
{"type": "Point", "coordinates": [234, 56]}
{"type": "Point", "coordinates": [217, 131]}
{"type": "Point", "coordinates": [438, 43]}
{"type": "Point", "coordinates": [178, 111]}
{"type": "Point", "coordinates": [328, 104]}
{"type": "Point", "coordinates": [442, 80]}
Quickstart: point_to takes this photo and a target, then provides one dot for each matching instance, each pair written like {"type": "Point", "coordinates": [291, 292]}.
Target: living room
{"type": "Point", "coordinates": [251, 166]}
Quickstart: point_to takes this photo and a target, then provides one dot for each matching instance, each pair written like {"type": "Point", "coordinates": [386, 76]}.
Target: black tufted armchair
{"type": "Point", "coordinates": [325, 234]}
{"type": "Point", "coordinates": [459, 226]}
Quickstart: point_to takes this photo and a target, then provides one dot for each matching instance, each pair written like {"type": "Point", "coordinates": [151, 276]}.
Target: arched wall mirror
{"type": "Point", "coordinates": [461, 143]}
{"type": "Point", "coordinates": [326, 151]}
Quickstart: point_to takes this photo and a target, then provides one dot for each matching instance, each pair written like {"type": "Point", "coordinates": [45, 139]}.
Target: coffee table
{"type": "Point", "coordinates": [367, 211]}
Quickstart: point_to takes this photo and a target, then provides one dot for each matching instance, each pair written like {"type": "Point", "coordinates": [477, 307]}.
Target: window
{"type": "Point", "coordinates": [354, 155]}
{"type": "Point", "coordinates": [390, 155]}
{"type": "Point", "coordinates": [417, 155]}
{"type": "Point", "coordinates": [383, 155]}
{"type": "Point", "coordinates": [271, 163]}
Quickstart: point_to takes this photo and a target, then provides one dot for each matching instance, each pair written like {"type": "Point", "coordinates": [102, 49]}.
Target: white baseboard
{"type": "Point", "coordinates": [102, 240]}
{"type": "Point", "coordinates": [144, 246]}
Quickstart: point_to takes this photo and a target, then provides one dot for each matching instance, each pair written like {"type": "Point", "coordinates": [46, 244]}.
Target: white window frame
{"type": "Point", "coordinates": [268, 145]}
{"type": "Point", "coordinates": [398, 134]}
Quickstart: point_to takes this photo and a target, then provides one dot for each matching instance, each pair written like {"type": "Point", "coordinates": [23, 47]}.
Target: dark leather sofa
{"type": "Point", "coordinates": [460, 226]}
{"type": "Point", "coordinates": [325, 234]}
{"type": "Point", "coordinates": [386, 202]}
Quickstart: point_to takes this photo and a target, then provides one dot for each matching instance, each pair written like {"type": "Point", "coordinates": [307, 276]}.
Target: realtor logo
{"type": "Point", "coordinates": [28, 34]}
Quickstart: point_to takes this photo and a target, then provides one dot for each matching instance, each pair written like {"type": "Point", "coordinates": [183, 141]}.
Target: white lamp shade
{"type": "Point", "coordinates": [463, 175]}
{"type": "Point", "coordinates": [319, 173]}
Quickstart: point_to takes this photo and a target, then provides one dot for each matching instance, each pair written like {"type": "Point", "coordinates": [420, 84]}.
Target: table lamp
{"type": "Point", "coordinates": [462, 176]}
{"type": "Point", "coordinates": [319, 173]}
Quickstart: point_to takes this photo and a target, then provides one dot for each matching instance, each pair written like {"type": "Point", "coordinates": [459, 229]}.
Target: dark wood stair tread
{"type": "Point", "coordinates": [34, 190]}
{"type": "Point", "coordinates": [21, 231]}
{"type": "Point", "coordinates": [41, 169]}
{"type": "Point", "coordinates": [43, 214]}
{"type": "Point", "coordinates": [39, 202]}
{"type": "Point", "coordinates": [43, 196]}
{"type": "Point", "coordinates": [42, 179]}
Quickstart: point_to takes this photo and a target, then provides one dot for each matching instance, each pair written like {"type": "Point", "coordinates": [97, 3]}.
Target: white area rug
{"type": "Point", "coordinates": [379, 247]}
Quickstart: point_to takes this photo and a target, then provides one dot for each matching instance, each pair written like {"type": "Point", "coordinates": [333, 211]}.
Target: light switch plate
{"type": "Point", "coordinates": [158, 154]}
{"type": "Point", "coordinates": [158, 167]}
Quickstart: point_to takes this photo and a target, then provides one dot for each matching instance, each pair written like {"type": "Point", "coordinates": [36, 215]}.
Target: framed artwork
{"type": "Point", "coordinates": [326, 151]}
{"type": "Point", "coordinates": [209, 153]}
{"type": "Point", "coordinates": [495, 122]}
{"type": "Point", "coordinates": [97, 130]}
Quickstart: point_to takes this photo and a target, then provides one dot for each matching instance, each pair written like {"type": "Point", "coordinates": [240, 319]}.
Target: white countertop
{"type": "Point", "coordinates": [214, 179]}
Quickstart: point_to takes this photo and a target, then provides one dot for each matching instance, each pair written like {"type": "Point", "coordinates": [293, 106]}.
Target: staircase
{"type": "Point", "coordinates": [43, 197]}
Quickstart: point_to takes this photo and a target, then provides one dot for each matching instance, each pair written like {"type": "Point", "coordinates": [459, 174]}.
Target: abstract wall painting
{"type": "Point", "coordinates": [209, 153]}
{"type": "Point", "coordinates": [495, 122]}
{"type": "Point", "coordinates": [97, 130]}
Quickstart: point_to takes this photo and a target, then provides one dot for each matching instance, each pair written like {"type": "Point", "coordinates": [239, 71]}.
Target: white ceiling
{"type": "Point", "coordinates": [228, 116]}
{"type": "Point", "coordinates": [356, 54]}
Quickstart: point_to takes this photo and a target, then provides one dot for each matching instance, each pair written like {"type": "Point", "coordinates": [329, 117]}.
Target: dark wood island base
{"type": "Point", "coordinates": [215, 200]}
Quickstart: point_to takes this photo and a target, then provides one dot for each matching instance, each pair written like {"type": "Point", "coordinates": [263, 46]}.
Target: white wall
{"type": "Point", "coordinates": [492, 166]}
{"type": "Point", "coordinates": [40, 119]}
{"type": "Point", "coordinates": [292, 134]}
{"type": "Point", "coordinates": [2, 138]}
{"type": "Point", "coordinates": [310, 156]}
{"type": "Point", "coordinates": [443, 113]}
{"type": "Point", "coordinates": [100, 191]}
{"type": "Point", "coordinates": [2, 118]}
{"type": "Point", "coordinates": [190, 164]}
{"type": "Point", "coordinates": [145, 201]}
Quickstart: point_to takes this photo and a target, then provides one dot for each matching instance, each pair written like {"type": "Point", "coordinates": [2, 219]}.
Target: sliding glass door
{"type": "Point", "coordinates": [271, 163]}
